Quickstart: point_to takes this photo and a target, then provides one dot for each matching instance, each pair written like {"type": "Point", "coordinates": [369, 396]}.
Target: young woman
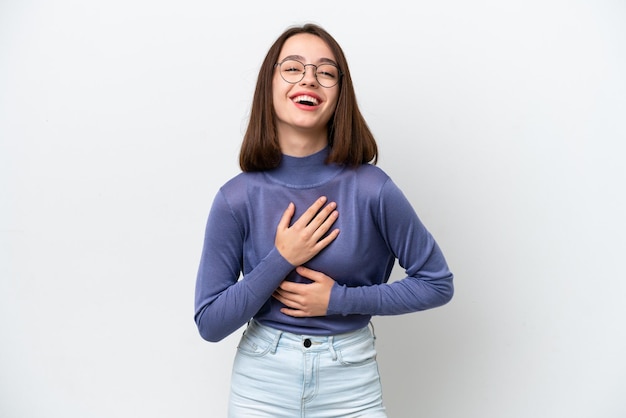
{"type": "Point", "coordinates": [314, 227]}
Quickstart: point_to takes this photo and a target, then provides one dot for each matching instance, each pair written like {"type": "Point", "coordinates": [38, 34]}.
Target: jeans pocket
{"type": "Point", "coordinates": [360, 352]}
{"type": "Point", "coordinates": [254, 346]}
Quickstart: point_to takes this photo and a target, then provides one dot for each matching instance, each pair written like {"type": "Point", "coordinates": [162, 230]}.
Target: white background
{"type": "Point", "coordinates": [503, 122]}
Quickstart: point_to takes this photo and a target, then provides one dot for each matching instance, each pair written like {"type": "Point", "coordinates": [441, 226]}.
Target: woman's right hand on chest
{"type": "Point", "coordinates": [309, 234]}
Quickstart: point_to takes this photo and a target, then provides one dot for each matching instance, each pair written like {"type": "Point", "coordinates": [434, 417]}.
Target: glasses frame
{"type": "Point", "coordinates": [278, 64]}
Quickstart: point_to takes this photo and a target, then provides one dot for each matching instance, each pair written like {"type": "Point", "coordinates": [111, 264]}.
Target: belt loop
{"type": "Point", "coordinates": [275, 342]}
{"type": "Point", "coordinates": [331, 347]}
{"type": "Point", "coordinates": [373, 332]}
{"type": "Point", "coordinates": [247, 326]}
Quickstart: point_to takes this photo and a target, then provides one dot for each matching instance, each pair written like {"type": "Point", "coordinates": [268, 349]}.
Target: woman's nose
{"type": "Point", "coordinates": [310, 76]}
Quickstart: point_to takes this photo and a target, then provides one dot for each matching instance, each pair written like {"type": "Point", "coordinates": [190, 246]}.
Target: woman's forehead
{"type": "Point", "coordinates": [307, 48]}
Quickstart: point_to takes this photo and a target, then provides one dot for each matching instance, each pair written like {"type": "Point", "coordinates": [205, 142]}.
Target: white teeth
{"type": "Point", "coordinates": [305, 98]}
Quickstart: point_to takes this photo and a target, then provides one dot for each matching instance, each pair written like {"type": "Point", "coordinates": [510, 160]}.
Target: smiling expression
{"type": "Point", "coordinates": [305, 107]}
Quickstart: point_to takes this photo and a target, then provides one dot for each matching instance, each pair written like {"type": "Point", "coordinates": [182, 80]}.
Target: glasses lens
{"type": "Point", "coordinates": [327, 75]}
{"type": "Point", "coordinates": [292, 71]}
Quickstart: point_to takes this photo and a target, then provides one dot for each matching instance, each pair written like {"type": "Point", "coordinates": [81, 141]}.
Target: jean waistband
{"type": "Point", "coordinates": [307, 342]}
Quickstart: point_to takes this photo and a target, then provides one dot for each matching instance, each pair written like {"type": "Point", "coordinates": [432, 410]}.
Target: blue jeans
{"type": "Point", "coordinates": [279, 374]}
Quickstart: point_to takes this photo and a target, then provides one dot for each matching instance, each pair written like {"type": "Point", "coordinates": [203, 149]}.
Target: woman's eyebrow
{"type": "Point", "coordinates": [302, 59]}
{"type": "Point", "coordinates": [328, 61]}
{"type": "Point", "coordinates": [293, 57]}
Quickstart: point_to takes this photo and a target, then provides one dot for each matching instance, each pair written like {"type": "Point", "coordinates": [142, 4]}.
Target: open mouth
{"type": "Point", "coordinates": [305, 100]}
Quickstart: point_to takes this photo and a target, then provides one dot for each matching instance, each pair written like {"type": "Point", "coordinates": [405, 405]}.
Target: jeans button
{"type": "Point", "coordinates": [307, 343]}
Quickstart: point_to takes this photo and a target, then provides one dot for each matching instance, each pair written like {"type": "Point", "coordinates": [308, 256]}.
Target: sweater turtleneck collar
{"type": "Point", "coordinates": [301, 172]}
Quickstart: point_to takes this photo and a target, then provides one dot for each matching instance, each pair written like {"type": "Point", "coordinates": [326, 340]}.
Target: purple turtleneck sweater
{"type": "Point", "coordinates": [240, 267]}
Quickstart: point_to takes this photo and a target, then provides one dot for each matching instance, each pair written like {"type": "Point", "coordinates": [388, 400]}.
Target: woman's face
{"type": "Point", "coordinates": [306, 106]}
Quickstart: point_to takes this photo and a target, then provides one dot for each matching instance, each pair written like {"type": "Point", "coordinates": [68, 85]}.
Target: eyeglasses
{"type": "Point", "coordinates": [293, 71]}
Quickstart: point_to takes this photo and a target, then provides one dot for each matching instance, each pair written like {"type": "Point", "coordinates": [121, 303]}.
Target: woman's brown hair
{"type": "Point", "coordinates": [349, 137]}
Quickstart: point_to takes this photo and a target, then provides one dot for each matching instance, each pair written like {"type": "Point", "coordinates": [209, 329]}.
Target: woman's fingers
{"type": "Point", "coordinates": [326, 220]}
{"type": "Point", "coordinates": [307, 236]}
{"type": "Point", "coordinates": [286, 218]}
{"type": "Point", "coordinates": [311, 213]}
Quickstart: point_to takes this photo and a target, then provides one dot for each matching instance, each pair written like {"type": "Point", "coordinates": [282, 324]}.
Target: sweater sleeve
{"type": "Point", "coordinates": [223, 301]}
{"type": "Point", "coordinates": [428, 282]}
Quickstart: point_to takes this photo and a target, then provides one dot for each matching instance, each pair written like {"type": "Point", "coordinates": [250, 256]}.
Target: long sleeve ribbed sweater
{"type": "Point", "coordinates": [240, 267]}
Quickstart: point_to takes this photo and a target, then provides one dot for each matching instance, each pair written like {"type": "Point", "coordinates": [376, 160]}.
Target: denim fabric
{"type": "Point", "coordinates": [278, 374]}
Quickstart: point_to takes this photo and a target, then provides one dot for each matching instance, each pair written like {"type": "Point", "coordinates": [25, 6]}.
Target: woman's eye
{"type": "Point", "coordinates": [327, 71]}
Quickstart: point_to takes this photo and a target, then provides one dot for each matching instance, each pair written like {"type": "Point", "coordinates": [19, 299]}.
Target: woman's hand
{"type": "Point", "coordinates": [304, 239]}
{"type": "Point", "coordinates": [305, 299]}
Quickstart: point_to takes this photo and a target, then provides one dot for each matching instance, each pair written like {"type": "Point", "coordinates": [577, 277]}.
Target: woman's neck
{"type": "Point", "coordinates": [307, 171]}
{"type": "Point", "coordinates": [301, 144]}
